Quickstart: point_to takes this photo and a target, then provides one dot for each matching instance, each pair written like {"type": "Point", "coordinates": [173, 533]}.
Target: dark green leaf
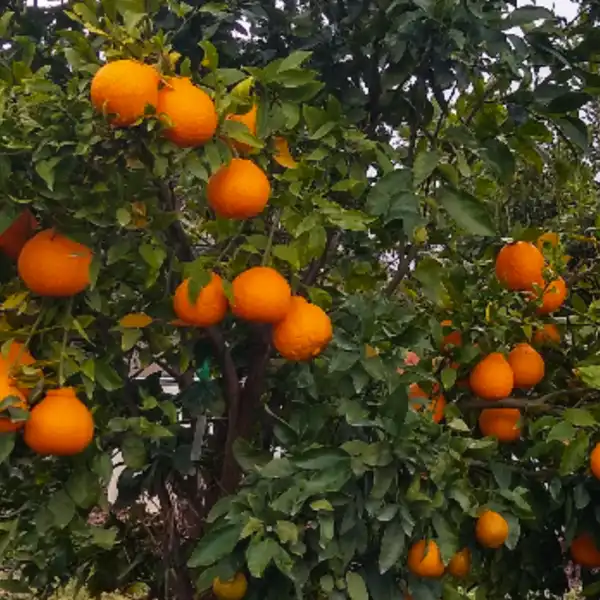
{"type": "Point", "coordinates": [392, 546]}
{"type": "Point", "coordinates": [215, 545]}
{"type": "Point", "coordinates": [469, 213]}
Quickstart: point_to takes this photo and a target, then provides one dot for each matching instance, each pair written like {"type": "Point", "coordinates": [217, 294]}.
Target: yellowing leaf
{"type": "Point", "coordinates": [243, 89]}
{"type": "Point", "coordinates": [14, 301]}
{"type": "Point", "coordinates": [135, 321]}
{"type": "Point", "coordinates": [488, 313]}
{"type": "Point", "coordinates": [283, 156]}
{"type": "Point", "coordinates": [371, 352]}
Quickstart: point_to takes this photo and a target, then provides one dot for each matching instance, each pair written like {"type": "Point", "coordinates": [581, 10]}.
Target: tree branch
{"type": "Point", "coordinates": [407, 255]}
{"type": "Point", "coordinates": [544, 402]}
{"type": "Point", "coordinates": [171, 203]}
{"type": "Point", "coordinates": [317, 265]}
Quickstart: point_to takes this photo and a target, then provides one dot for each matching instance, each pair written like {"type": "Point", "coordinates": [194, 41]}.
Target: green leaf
{"type": "Point", "coordinates": [7, 443]}
{"type": "Point", "coordinates": [211, 56]}
{"type": "Point", "coordinates": [448, 378]}
{"type": "Point", "coordinates": [569, 102]}
{"type": "Point", "coordinates": [62, 509]}
{"type": "Point", "coordinates": [294, 60]}
{"type": "Point", "coordinates": [468, 212]}
{"type": "Point", "coordinates": [317, 459]}
{"type": "Point", "coordinates": [579, 417]}
{"type": "Point", "coordinates": [153, 255]}
{"type": "Point", "coordinates": [134, 451]}
{"type": "Point", "coordinates": [194, 165]}
{"type": "Point", "coordinates": [561, 432]}
{"type": "Point", "coordinates": [5, 20]}
{"type": "Point", "coordinates": [575, 454]}
{"type": "Point", "coordinates": [575, 130]}
{"type": "Point", "coordinates": [45, 169]}
{"type": "Point", "coordinates": [425, 164]}
{"type": "Point", "coordinates": [525, 15]}
{"type": "Point", "coordinates": [259, 554]}
{"type": "Point", "coordinates": [324, 505]}
{"type": "Point", "coordinates": [356, 586]}
{"type": "Point", "coordinates": [392, 546]}
{"type": "Point", "coordinates": [287, 532]}
{"type": "Point", "coordinates": [130, 338]}
{"type": "Point", "coordinates": [590, 375]}
{"type": "Point", "coordinates": [104, 538]}
{"type": "Point", "coordinates": [215, 545]}
{"type": "Point", "coordinates": [240, 133]}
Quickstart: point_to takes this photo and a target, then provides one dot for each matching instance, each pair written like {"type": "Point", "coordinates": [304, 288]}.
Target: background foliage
{"type": "Point", "coordinates": [426, 131]}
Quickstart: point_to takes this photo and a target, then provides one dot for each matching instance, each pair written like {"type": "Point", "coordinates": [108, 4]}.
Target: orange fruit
{"type": "Point", "coordinates": [492, 378]}
{"type": "Point", "coordinates": [123, 89]}
{"type": "Point", "coordinates": [424, 559]}
{"type": "Point", "coordinates": [519, 266]}
{"type": "Point", "coordinates": [13, 238]}
{"type": "Point", "coordinates": [454, 338]}
{"type": "Point", "coordinates": [549, 334]}
{"type": "Point", "coordinates": [595, 461]}
{"type": "Point", "coordinates": [553, 296]}
{"type": "Point", "coordinates": [282, 154]}
{"type": "Point", "coordinates": [51, 264]}
{"type": "Point", "coordinates": [234, 589]}
{"type": "Point", "coordinates": [549, 239]}
{"type": "Point", "coordinates": [304, 332]}
{"type": "Point", "coordinates": [584, 551]}
{"type": "Point", "coordinates": [261, 294]}
{"type": "Point", "coordinates": [60, 425]}
{"type": "Point", "coordinates": [491, 530]}
{"type": "Point", "coordinates": [239, 190]}
{"type": "Point", "coordinates": [210, 307]}
{"type": "Point", "coordinates": [436, 406]}
{"type": "Point", "coordinates": [6, 389]}
{"type": "Point", "coordinates": [188, 113]}
{"type": "Point", "coordinates": [500, 423]}
{"type": "Point", "coordinates": [460, 564]}
{"type": "Point", "coordinates": [249, 120]}
{"type": "Point", "coordinates": [527, 366]}
{"type": "Point", "coordinates": [16, 356]}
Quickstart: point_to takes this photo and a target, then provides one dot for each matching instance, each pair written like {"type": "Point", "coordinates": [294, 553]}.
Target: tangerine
{"type": "Point", "coordinates": [548, 334]}
{"type": "Point", "coordinates": [239, 190]}
{"type": "Point", "coordinates": [304, 332]}
{"type": "Point", "coordinates": [14, 237]}
{"type": "Point", "coordinates": [424, 559]}
{"type": "Point", "coordinates": [51, 264]}
{"type": "Point", "coordinates": [261, 294]}
{"type": "Point", "coordinates": [233, 589]}
{"type": "Point", "coordinates": [519, 266]}
{"type": "Point", "coordinates": [435, 407]}
{"type": "Point", "coordinates": [123, 89]}
{"type": "Point", "coordinates": [454, 338]}
{"type": "Point", "coordinates": [282, 154]}
{"type": "Point", "coordinates": [527, 365]}
{"type": "Point", "coordinates": [16, 356]}
{"type": "Point", "coordinates": [60, 424]}
{"type": "Point", "coordinates": [548, 239]}
{"type": "Point", "coordinates": [553, 296]}
{"type": "Point", "coordinates": [210, 307]}
{"type": "Point", "coordinates": [584, 551]}
{"type": "Point", "coordinates": [500, 423]}
{"type": "Point", "coordinates": [6, 390]}
{"type": "Point", "coordinates": [491, 530]}
{"type": "Point", "coordinates": [460, 564]}
{"type": "Point", "coordinates": [188, 112]}
{"type": "Point", "coordinates": [595, 461]}
{"type": "Point", "coordinates": [492, 378]}
{"type": "Point", "coordinates": [249, 120]}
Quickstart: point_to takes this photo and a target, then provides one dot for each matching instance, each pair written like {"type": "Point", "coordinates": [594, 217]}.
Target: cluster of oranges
{"type": "Point", "coordinates": [59, 425]}
{"type": "Point", "coordinates": [424, 557]}
{"type": "Point", "coordinates": [301, 330]}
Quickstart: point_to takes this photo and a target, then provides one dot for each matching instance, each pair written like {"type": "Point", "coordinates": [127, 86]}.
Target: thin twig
{"type": "Point", "coordinates": [63, 349]}
{"type": "Point", "coordinates": [405, 260]}
{"type": "Point", "coordinates": [274, 226]}
{"type": "Point", "coordinates": [539, 402]}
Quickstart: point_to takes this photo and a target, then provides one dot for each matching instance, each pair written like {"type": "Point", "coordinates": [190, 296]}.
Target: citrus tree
{"type": "Point", "coordinates": [258, 270]}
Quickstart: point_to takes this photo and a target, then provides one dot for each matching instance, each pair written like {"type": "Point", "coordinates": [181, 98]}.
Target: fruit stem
{"type": "Point", "coordinates": [61, 377]}
{"type": "Point", "coordinates": [32, 332]}
{"type": "Point", "coordinates": [274, 226]}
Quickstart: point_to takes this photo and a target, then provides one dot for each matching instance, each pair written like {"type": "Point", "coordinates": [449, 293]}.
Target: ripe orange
{"type": "Point", "coordinates": [249, 120]}
{"type": "Point", "coordinates": [16, 356]}
{"type": "Point", "coordinates": [460, 564]}
{"type": "Point", "coordinates": [210, 307]}
{"type": "Point", "coordinates": [13, 238]}
{"type": "Point", "coordinates": [549, 334]}
{"type": "Point", "coordinates": [60, 425]}
{"type": "Point", "coordinates": [123, 89]}
{"type": "Point", "coordinates": [261, 294]}
{"type": "Point", "coordinates": [304, 332]}
{"type": "Point", "coordinates": [239, 190]}
{"type": "Point", "coordinates": [595, 461]}
{"type": "Point", "coordinates": [553, 296]}
{"type": "Point", "coordinates": [527, 365]}
{"type": "Point", "coordinates": [519, 266]}
{"type": "Point", "coordinates": [282, 154]}
{"type": "Point", "coordinates": [584, 551]}
{"type": "Point", "coordinates": [6, 389]}
{"type": "Point", "coordinates": [549, 239]}
{"type": "Point", "coordinates": [454, 338]}
{"type": "Point", "coordinates": [436, 406]}
{"type": "Point", "coordinates": [424, 559]}
{"type": "Point", "coordinates": [500, 423]}
{"type": "Point", "coordinates": [492, 378]}
{"type": "Point", "coordinates": [188, 112]}
{"type": "Point", "coordinates": [491, 530]}
{"type": "Point", "coordinates": [51, 264]}
{"type": "Point", "coordinates": [234, 589]}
